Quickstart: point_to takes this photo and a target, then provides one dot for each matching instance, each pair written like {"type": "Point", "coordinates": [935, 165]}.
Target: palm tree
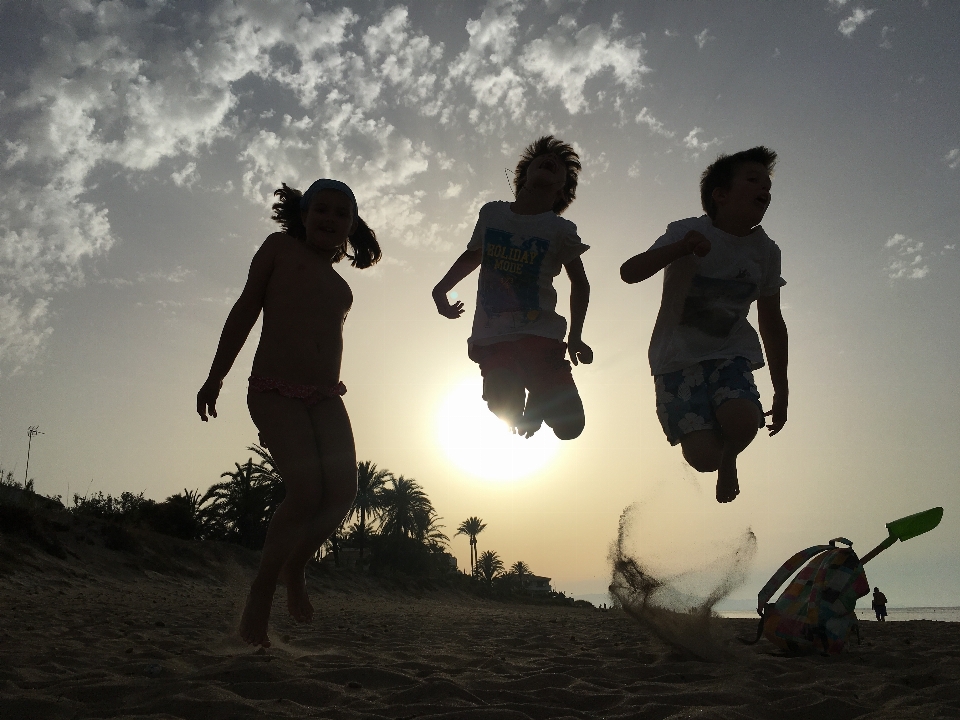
{"type": "Point", "coordinates": [405, 507]}
{"type": "Point", "coordinates": [269, 477]}
{"type": "Point", "coordinates": [238, 507]}
{"type": "Point", "coordinates": [471, 527]}
{"type": "Point", "coordinates": [369, 501]}
{"type": "Point", "coordinates": [489, 566]}
{"type": "Point", "coordinates": [520, 569]}
{"type": "Point", "coordinates": [428, 530]}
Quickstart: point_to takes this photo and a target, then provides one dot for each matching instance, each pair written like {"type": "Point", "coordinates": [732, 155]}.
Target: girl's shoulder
{"type": "Point", "coordinates": [278, 243]}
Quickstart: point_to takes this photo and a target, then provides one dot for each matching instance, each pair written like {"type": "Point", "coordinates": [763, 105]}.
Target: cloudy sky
{"type": "Point", "coordinates": [142, 142]}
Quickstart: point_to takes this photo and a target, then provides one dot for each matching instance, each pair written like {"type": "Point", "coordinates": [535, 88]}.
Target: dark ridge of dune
{"type": "Point", "coordinates": [112, 633]}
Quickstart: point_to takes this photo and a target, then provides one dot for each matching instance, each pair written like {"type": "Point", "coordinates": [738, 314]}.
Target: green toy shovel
{"type": "Point", "coordinates": [906, 528]}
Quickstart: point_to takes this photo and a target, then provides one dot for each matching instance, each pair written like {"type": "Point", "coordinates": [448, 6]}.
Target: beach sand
{"type": "Point", "coordinates": [148, 631]}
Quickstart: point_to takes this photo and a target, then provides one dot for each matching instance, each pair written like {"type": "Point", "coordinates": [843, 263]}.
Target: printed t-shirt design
{"type": "Point", "coordinates": [703, 313]}
{"type": "Point", "coordinates": [520, 256]}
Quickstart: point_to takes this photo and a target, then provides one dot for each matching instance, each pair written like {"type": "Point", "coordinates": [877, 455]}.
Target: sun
{"type": "Point", "coordinates": [476, 441]}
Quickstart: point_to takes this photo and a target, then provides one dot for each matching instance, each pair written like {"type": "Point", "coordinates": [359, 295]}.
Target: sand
{"type": "Point", "coordinates": [149, 632]}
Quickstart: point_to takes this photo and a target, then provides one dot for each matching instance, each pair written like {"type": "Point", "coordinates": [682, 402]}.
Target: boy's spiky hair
{"type": "Point", "coordinates": [544, 146]}
{"type": "Point", "coordinates": [721, 172]}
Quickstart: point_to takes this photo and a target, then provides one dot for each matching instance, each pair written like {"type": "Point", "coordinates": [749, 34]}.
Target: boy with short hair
{"type": "Point", "coordinates": [703, 350]}
{"type": "Point", "coordinates": [517, 336]}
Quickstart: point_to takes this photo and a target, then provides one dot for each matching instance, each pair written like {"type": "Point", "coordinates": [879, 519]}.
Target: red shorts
{"type": "Point", "coordinates": [539, 362]}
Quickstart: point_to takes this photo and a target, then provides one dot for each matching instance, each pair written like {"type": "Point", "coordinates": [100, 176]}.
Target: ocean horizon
{"type": "Point", "coordinates": [865, 614]}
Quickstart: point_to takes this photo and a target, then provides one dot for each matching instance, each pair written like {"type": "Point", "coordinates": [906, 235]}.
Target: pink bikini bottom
{"type": "Point", "coordinates": [309, 394]}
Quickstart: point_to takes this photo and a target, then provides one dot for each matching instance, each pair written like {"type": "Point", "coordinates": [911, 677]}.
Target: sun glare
{"type": "Point", "coordinates": [476, 441]}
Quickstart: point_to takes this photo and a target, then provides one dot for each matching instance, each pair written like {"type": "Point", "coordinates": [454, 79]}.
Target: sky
{"type": "Point", "coordinates": [141, 142]}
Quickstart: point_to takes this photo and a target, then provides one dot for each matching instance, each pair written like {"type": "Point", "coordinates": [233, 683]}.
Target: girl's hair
{"type": "Point", "coordinates": [568, 156]}
{"type": "Point", "coordinates": [363, 241]}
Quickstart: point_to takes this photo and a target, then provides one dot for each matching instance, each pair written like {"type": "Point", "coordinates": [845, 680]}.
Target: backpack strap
{"type": "Point", "coordinates": [778, 579]}
{"type": "Point", "coordinates": [784, 573]}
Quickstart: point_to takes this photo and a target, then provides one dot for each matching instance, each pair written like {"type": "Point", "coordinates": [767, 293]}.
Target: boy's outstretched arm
{"type": "Point", "coordinates": [773, 332]}
{"type": "Point", "coordinates": [649, 263]}
{"type": "Point", "coordinates": [579, 300]}
{"type": "Point", "coordinates": [463, 266]}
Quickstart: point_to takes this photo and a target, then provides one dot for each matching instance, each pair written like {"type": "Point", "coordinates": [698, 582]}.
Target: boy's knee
{"type": "Point", "coordinates": [739, 420]}
{"type": "Point", "coordinates": [702, 450]}
{"type": "Point", "coordinates": [702, 464]}
{"type": "Point", "coordinates": [567, 430]}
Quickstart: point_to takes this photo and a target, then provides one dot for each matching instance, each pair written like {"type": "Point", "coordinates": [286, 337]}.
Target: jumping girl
{"type": "Point", "coordinates": [295, 390]}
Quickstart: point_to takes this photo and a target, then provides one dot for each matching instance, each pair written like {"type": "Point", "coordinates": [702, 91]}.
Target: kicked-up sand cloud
{"type": "Point", "coordinates": [677, 605]}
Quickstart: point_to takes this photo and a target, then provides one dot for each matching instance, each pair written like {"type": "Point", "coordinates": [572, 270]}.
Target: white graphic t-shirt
{"type": "Point", "coordinates": [703, 313]}
{"type": "Point", "coordinates": [521, 256]}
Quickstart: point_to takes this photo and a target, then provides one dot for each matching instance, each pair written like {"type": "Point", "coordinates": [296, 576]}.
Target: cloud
{"type": "Point", "coordinates": [645, 118]}
{"type": "Point", "coordinates": [452, 191]}
{"type": "Point", "coordinates": [187, 176]}
{"type": "Point", "coordinates": [284, 91]}
{"type": "Point", "coordinates": [566, 57]}
{"type": "Point", "coordinates": [692, 142]}
{"type": "Point", "coordinates": [906, 260]}
{"type": "Point", "coordinates": [23, 330]}
{"type": "Point", "coordinates": [848, 25]}
{"type": "Point", "coordinates": [838, 3]}
{"type": "Point", "coordinates": [702, 38]}
{"type": "Point", "coordinates": [884, 37]}
{"type": "Point", "coordinates": [952, 158]}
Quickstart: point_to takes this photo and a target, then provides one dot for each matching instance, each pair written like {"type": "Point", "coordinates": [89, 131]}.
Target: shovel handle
{"type": "Point", "coordinates": [878, 549]}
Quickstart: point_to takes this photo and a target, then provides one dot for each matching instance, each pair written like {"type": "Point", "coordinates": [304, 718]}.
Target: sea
{"type": "Point", "coordinates": [894, 614]}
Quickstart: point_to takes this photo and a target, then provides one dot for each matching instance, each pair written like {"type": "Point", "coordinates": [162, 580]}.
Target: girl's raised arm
{"type": "Point", "coordinates": [239, 322]}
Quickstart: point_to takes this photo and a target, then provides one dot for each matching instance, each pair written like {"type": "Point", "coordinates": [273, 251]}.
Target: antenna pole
{"type": "Point", "coordinates": [31, 432]}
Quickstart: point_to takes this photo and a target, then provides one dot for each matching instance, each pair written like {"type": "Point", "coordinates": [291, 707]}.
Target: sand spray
{"type": "Point", "coordinates": [677, 606]}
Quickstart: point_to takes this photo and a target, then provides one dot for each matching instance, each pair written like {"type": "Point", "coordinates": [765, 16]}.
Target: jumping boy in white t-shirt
{"type": "Point", "coordinates": [517, 336]}
{"type": "Point", "coordinates": [703, 350]}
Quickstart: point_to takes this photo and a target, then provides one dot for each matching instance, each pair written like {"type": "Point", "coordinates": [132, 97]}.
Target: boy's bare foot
{"type": "Point", "coordinates": [530, 421]}
{"type": "Point", "coordinates": [728, 485]}
{"type": "Point", "coordinates": [298, 602]}
{"type": "Point", "coordinates": [253, 623]}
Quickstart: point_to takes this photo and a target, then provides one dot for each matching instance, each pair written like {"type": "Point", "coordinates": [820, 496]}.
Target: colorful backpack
{"type": "Point", "coordinates": [817, 610]}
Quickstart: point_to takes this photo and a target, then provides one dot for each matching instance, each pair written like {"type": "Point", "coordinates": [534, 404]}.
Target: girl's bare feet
{"type": "Point", "coordinates": [298, 602]}
{"type": "Point", "coordinates": [253, 623]}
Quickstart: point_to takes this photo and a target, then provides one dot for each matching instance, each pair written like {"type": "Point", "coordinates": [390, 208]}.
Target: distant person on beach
{"type": "Point", "coordinates": [294, 393]}
{"type": "Point", "coordinates": [517, 337]}
{"type": "Point", "coordinates": [879, 605]}
{"type": "Point", "coordinates": [703, 351]}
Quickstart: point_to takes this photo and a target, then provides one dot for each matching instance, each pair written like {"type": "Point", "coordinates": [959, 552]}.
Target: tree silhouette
{"type": "Point", "coordinates": [520, 570]}
{"type": "Point", "coordinates": [240, 508]}
{"type": "Point", "coordinates": [269, 477]}
{"type": "Point", "coordinates": [369, 501]}
{"type": "Point", "coordinates": [489, 567]}
{"type": "Point", "coordinates": [406, 509]}
{"type": "Point", "coordinates": [471, 527]}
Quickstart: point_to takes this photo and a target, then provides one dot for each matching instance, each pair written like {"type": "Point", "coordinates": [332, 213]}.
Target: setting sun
{"type": "Point", "coordinates": [475, 440]}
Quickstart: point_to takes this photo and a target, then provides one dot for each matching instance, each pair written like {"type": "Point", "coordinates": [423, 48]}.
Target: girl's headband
{"type": "Point", "coordinates": [327, 184]}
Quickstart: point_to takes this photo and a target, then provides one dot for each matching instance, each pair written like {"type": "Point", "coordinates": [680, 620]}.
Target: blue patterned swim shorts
{"type": "Point", "coordinates": [687, 399]}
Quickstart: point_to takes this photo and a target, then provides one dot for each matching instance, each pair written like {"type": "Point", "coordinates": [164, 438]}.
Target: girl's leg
{"type": "Point", "coordinates": [338, 466]}
{"type": "Point", "coordinates": [288, 430]}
